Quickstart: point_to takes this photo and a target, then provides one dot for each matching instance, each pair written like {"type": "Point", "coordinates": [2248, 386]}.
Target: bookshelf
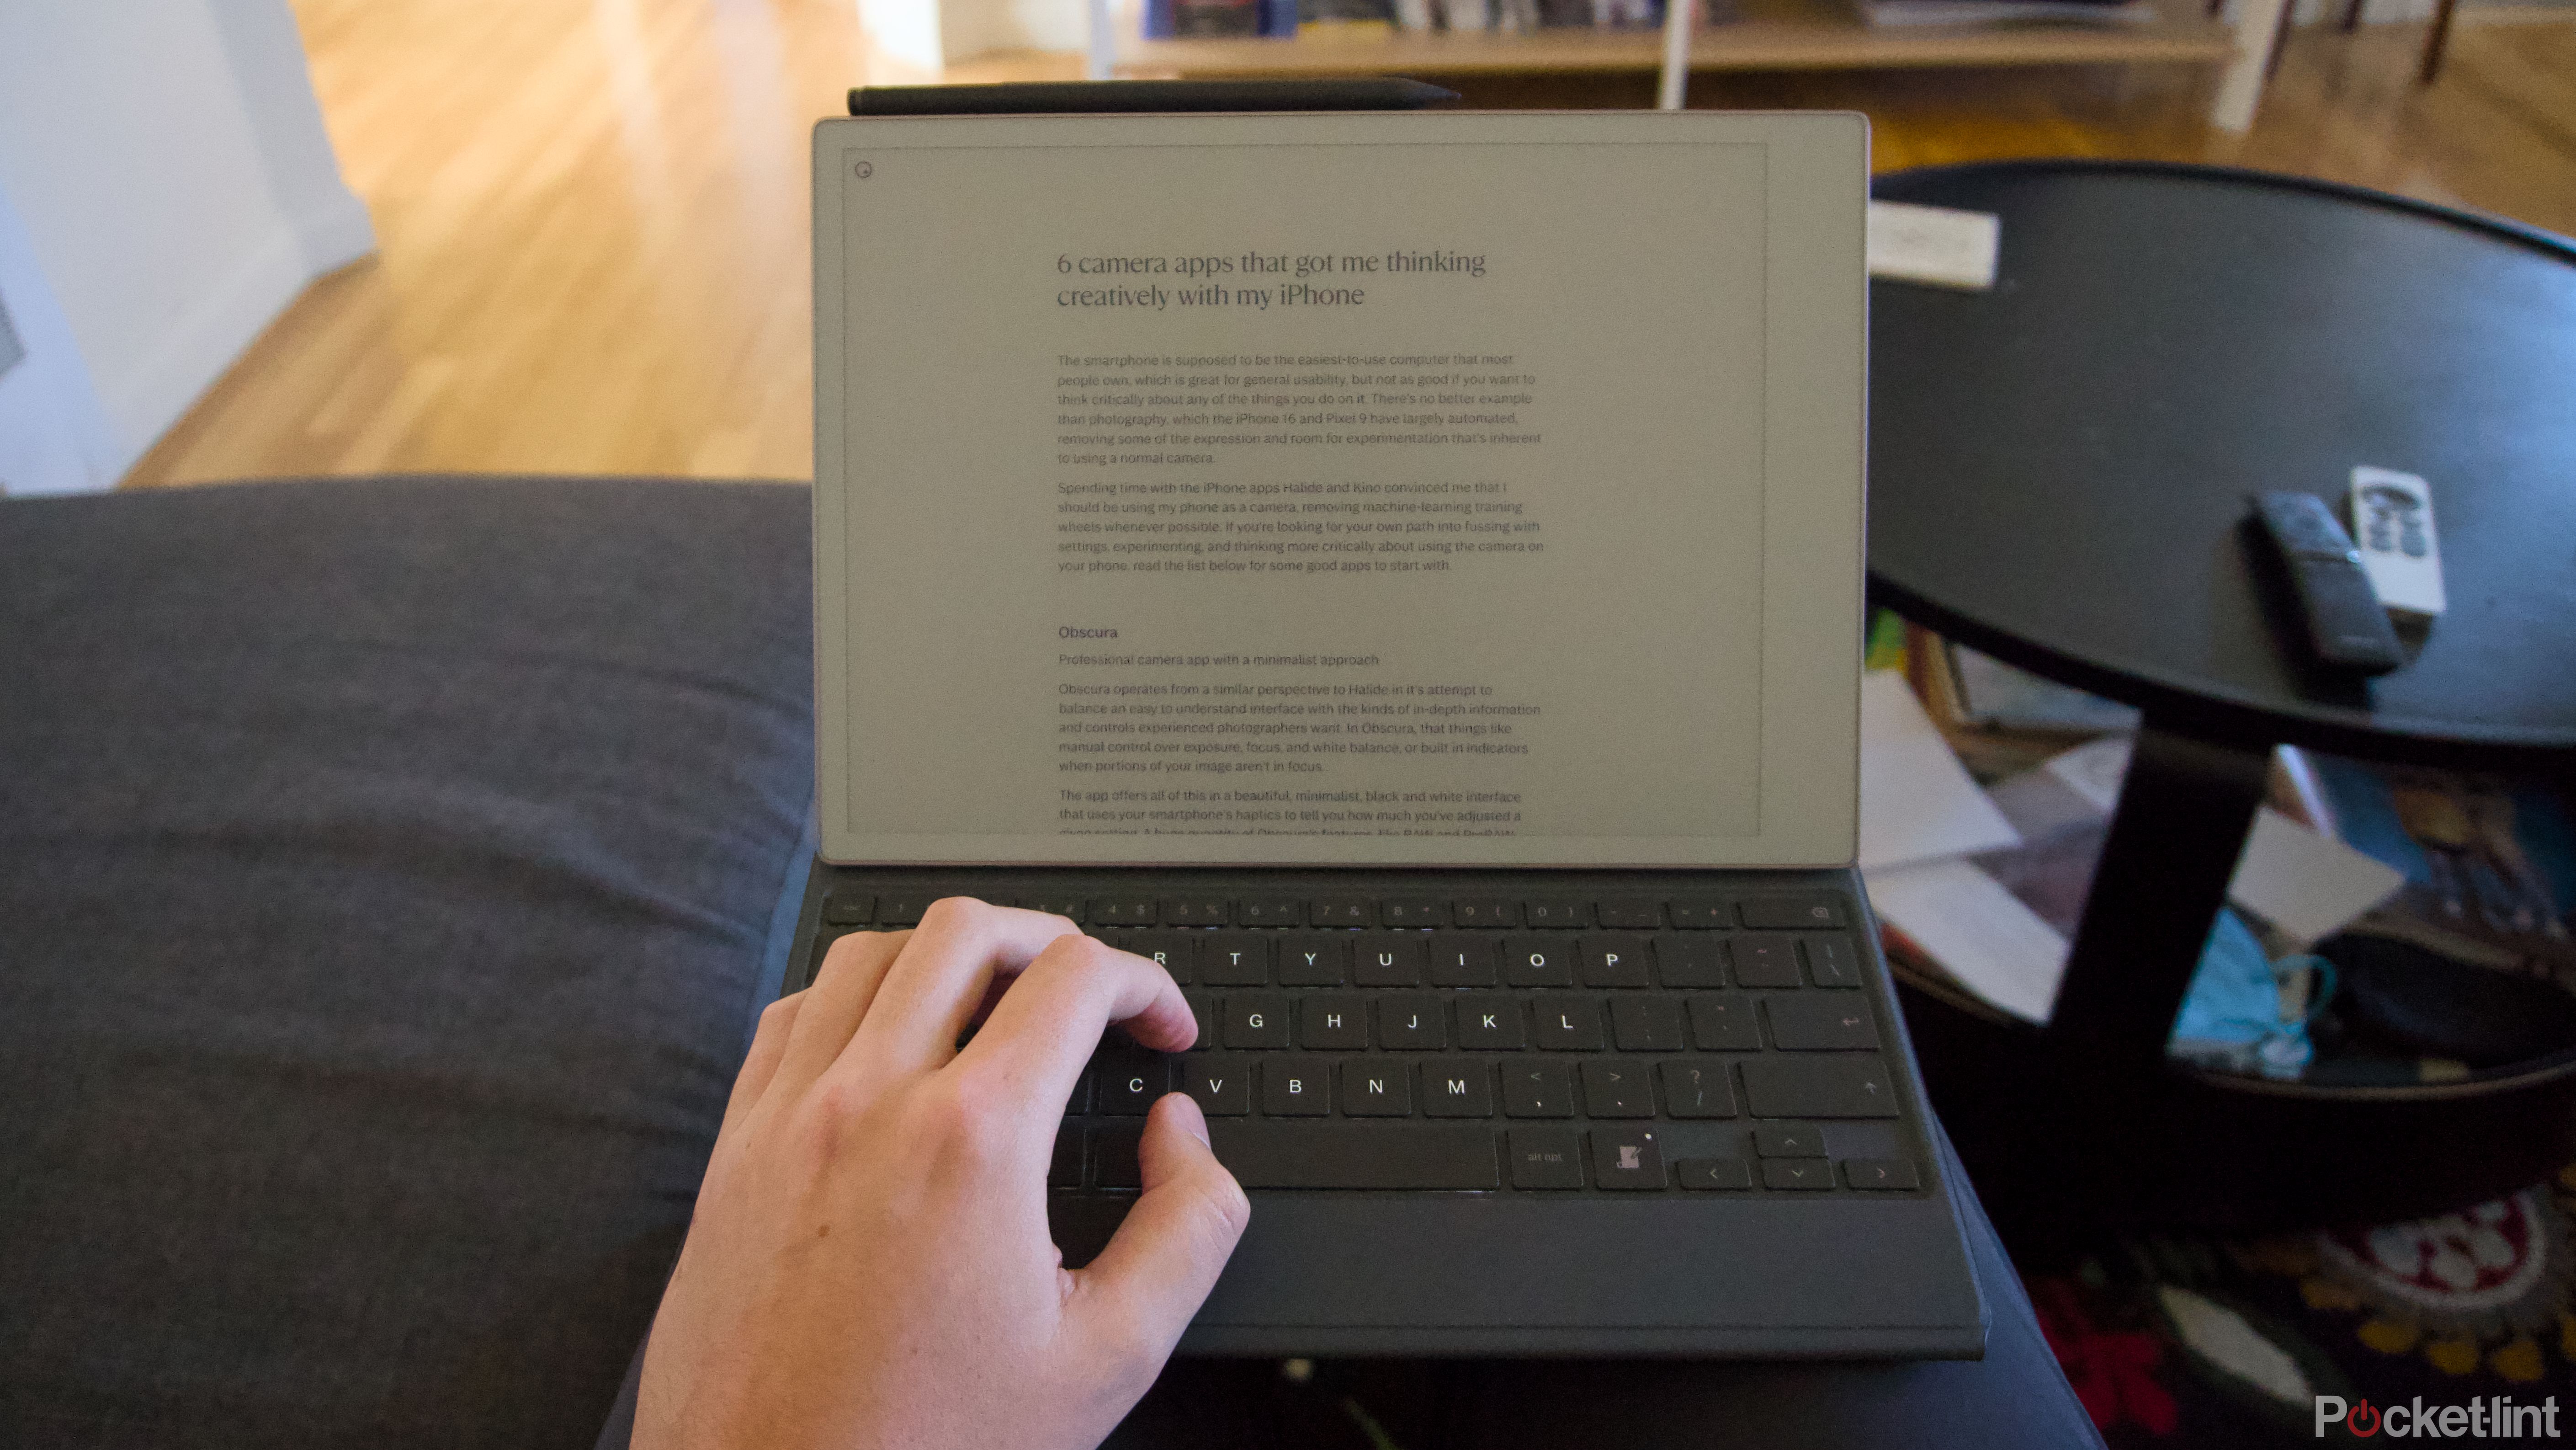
{"type": "Point", "coordinates": [1765, 35]}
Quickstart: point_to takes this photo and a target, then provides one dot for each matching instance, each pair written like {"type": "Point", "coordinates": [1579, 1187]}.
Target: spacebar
{"type": "Point", "coordinates": [1356, 1155]}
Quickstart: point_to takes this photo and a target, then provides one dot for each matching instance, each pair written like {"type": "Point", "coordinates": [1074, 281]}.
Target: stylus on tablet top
{"type": "Point", "coordinates": [1046, 98]}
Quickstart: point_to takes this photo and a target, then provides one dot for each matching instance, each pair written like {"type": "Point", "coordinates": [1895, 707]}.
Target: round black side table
{"type": "Point", "coordinates": [2058, 475]}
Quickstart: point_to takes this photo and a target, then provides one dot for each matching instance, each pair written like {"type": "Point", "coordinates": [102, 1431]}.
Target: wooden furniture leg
{"type": "Point", "coordinates": [2436, 42]}
{"type": "Point", "coordinates": [2280, 37]}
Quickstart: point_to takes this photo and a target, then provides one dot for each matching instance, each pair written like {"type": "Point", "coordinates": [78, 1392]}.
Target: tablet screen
{"type": "Point", "coordinates": [1384, 489]}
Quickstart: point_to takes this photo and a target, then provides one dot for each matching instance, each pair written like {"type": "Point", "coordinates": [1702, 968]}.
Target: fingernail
{"type": "Point", "coordinates": [1197, 1121]}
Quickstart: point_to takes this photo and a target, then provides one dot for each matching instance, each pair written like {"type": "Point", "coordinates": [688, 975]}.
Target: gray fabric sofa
{"type": "Point", "coordinates": [389, 871]}
{"type": "Point", "coordinates": [386, 874]}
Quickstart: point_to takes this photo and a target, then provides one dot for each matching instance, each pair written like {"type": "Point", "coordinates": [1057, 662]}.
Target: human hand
{"type": "Point", "coordinates": [870, 1263]}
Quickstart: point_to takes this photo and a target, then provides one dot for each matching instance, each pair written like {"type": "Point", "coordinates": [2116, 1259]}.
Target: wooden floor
{"type": "Point", "coordinates": [593, 212]}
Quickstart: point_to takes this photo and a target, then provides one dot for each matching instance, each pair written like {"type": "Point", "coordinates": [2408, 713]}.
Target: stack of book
{"type": "Point", "coordinates": [2007, 12]}
{"type": "Point", "coordinates": [1187, 18]}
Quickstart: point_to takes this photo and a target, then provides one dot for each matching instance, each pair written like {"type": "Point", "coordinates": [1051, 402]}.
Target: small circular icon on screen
{"type": "Point", "coordinates": [863, 170]}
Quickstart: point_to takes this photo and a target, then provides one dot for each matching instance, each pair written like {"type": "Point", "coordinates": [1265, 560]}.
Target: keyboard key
{"type": "Point", "coordinates": [1222, 1086]}
{"type": "Point", "coordinates": [1333, 1022]}
{"type": "Point", "coordinates": [1341, 911]}
{"type": "Point", "coordinates": [1314, 959]}
{"type": "Point", "coordinates": [1377, 1087]}
{"type": "Point", "coordinates": [1129, 1080]}
{"type": "Point", "coordinates": [1819, 1087]}
{"type": "Point", "coordinates": [1723, 1022]}
{"type": "Point", "coordinates": [1170, 950]}
{"type": "Point", "coordinates": [1113, 1158]}
{"type": "Point", "coordinates": [1634, 913]}
{"type": "Point", "coordinates": [1538, 961]}
{"type": "Point", "coordinates": [1615, 1088]}
{"type": "Point", "coordinates": [1697, 1088]}
{"type": "Point", "coordinates": [1068, 907]}
{"type": "Point", "coordinates": [1789, 913]}
{"type": "Point", "coordinates": [1702, 913]}
{"type": "Point", "coordinates": [1724, 1174]}
{"type": "Point", "coordinates": [1356, 1155]}
{"type": "Point", "coordinates": [1694, 959]}
{"type": "Point", "coordinates": [1546, 1158]}
{"type": "Point", "coordinates": [1463, 961]}
{"type": "Point", "coordinates": [844, 907]}
{"type": "Point", "coordinates": [1122, 911]}
{"type": "Point", "coordinates": [1234, 959]}
{"type": "Point", "coordinates": [1457, 1087]}
{"type": "Point", "coordinates": [1566, 1023]}
{"type": "Point", "coordinates": [1788, 1140]}
{"type": "Point", "coordinates": [1538, 1088]}
{"type": "Point", "coordinates": [1064, 1165]}
{"type": "Point", "coordinates": [1490, 1021]}
{"type": "Point", "coordinates": [1646, 1024]}
{"type": "Point", "coordinates": [1080, 1102]}
{"type": "Point", "coordinates": [1556, 915]}
{"type": "Point", "coordinates": [1197, 911]}
{"type": "Point", "coordinates": [903, 910]}
{"type": "Point", "coordinates": [1881, 1174]}
{"type": "Point", "coordinates": [1831, 961]}
{"type": "Point", "coordinates": [1617, 961]}
{"type": "Point", "coordinates": [1765, 960]}
{"type": "Point", "coordinates": [1413, 913]}
{"type": "Point", "coordinates": [1797, 1173]}
{"type": "Point", "coordinates": [1203, 1008]}
{"type": "Point", "coordinates": [1295, 1087]}
{"type": "Point", "coordinates": [1626, 1158]}
{"type": "Point", "coordinates": [1270, 911]}
{"type": "Point", "coordinates": [1821, 1024]}
{"type": "Point", "coordinates": [1387, 960]}
{"type": "Point", "coordinates": [1411, 1022]}
{"type": "Point", "coordinates": [1485, 911]}
{"type": "Point", "coordinates": [1256, 1020]}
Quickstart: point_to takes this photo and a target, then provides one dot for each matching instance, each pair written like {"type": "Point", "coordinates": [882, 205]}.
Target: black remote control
{"type": "Point", "coordinates": [2347, 628]}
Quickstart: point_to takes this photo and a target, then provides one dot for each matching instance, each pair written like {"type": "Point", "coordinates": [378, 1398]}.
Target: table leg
{"type": "Point", "coordinates": [2435, 42]}
{"type": "Point", "coordinates": [2240, 89]}
{"type": "Point", "coordinates": [2184, 812]}
{"type": "Point", "coordinates": [1673, 81]}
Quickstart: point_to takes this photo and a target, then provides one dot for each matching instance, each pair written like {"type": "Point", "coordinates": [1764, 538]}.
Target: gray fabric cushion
{"type": "Point", "coordinates": [385, 874]}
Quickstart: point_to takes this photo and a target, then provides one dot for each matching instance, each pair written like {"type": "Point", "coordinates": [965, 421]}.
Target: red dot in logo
{"type": "Point", "coordinates": [2360, 1412]}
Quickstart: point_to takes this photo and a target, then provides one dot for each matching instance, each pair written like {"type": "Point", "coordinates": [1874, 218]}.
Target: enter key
{"type": "Point", "coordinates": [1837, 1023]}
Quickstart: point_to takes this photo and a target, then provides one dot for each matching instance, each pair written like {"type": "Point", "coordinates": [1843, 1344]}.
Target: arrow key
{"type": "Point", "coordinates": [1882, 1174]}
{"type": "Point", "coordinates": [1797, 1173]}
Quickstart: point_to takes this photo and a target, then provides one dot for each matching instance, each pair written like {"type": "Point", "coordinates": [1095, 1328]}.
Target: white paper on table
{"type": "Point", "coordinates": [1937, 244]}
{"type": "Point", "coordinates": [1916, 800]}
{"type": "Point", "coordinates": [1976, 930]}
{"type": "Point", "coordinates": [2095, 769]}
{"type": "Point", "coordinates": [2303, 883]}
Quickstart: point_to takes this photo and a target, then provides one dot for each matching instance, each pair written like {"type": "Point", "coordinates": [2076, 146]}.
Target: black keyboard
{"type": "Point", "coordinates": [1524, 1043]}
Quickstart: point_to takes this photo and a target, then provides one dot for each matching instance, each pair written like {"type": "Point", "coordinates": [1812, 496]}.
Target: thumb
{"type": "Point", "coordinates": [1164, 1259]}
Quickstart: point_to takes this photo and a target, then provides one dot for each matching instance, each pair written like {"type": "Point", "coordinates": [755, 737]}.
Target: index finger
{"type": "Point", "coordinates": [1032, 1048]}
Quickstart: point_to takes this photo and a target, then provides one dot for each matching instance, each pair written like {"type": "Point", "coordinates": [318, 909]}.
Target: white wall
{"type": "Point", "coordinates": [969, 28]}
{"type": "Point", "coordinates": [174, 189]}
{"type": "Point", "coordinates": [910, 40]}
{"type": "Point", "coordinates": [54, 437]}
